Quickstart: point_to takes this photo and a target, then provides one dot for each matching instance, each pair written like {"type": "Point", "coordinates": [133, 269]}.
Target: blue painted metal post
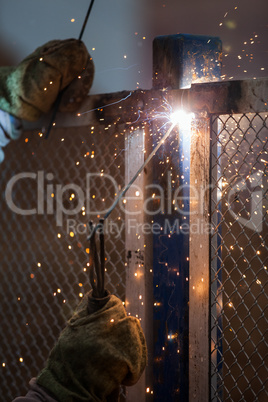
{"type": "Point", "coordinates": [178, 61]}
{"type": "Point", "coordinates": [181, 60]}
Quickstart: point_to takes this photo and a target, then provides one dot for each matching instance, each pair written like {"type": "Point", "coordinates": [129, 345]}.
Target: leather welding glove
{"type": "Point", "coordinates": [100, 348]}
{"type": "Point", "coordinates": [30, 89]}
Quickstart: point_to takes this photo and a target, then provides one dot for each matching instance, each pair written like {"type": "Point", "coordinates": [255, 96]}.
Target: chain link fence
{"type": "Point", "coordinates": [239, 258]}
{"type": "Point", "coordinates": [49, 191]}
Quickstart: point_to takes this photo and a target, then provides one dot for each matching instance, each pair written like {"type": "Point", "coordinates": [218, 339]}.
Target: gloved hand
{"type": "Point", "coordinates": [30, 89]}
{"type": "Point", "coordinates": [100, 349]}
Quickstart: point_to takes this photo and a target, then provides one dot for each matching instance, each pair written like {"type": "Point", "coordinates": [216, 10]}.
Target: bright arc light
{"type": "Point", "coordinates": [182, 118]}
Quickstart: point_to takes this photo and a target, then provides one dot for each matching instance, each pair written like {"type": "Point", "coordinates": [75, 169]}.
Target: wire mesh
{"type": "Point", "coordinates": [58, 185]}
{"type": "Point", "coordinates": [239, 258]}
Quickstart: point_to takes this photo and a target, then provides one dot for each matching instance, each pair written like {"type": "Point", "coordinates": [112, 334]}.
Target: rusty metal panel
{"type": "Point", "coordinates": [199, 262]}
{"type": "Point", "coordinates": [136, 268]}
{"type": "Point", "coordinates": [134, 107]}
{"type": "Point", "coordinates": [182, 59]}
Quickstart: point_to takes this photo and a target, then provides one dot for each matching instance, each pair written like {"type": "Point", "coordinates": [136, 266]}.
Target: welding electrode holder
{"type": "Point", "coordinates": [97, 262]}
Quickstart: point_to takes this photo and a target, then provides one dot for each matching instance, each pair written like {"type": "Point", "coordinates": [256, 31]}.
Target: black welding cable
{"type": "Point", "coordinates": [86, 19]}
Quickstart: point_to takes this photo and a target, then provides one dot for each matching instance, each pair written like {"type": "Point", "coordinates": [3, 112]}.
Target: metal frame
{"type": "Point", "coordinates": [204, 99]}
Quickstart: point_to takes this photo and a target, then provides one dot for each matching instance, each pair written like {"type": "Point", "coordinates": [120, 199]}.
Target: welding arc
{"type": "Point", "coordinates": [125, 189]}
{"type": "Point", "coordinates": [58, 100]}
